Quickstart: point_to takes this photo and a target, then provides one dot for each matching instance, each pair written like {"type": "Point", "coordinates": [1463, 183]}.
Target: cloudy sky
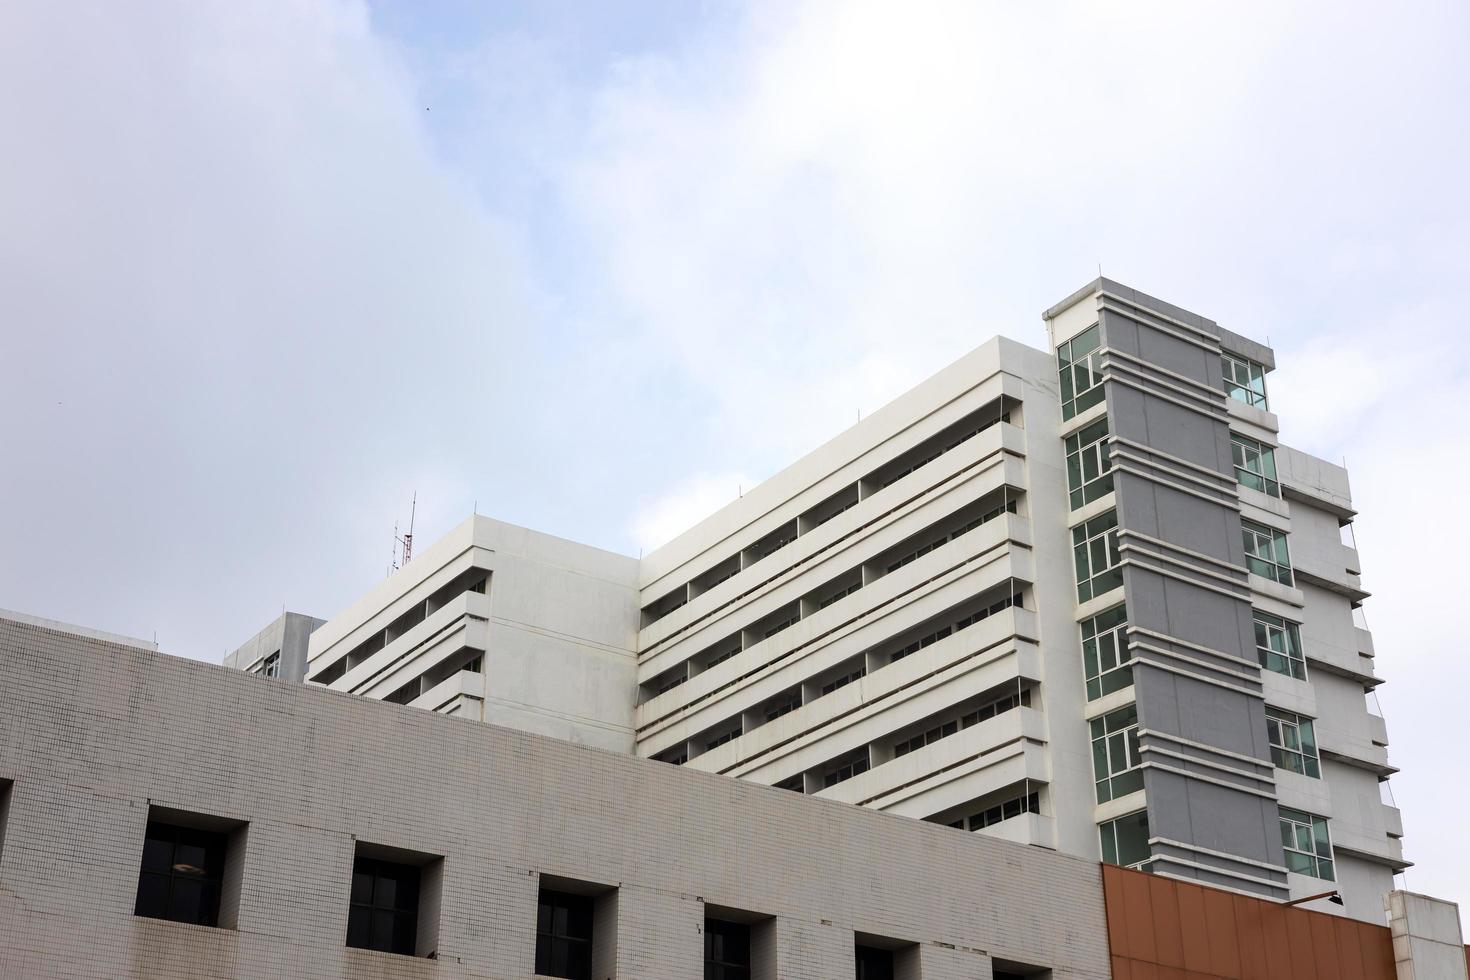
{"type": "Point", "coordinates": [267, 270]}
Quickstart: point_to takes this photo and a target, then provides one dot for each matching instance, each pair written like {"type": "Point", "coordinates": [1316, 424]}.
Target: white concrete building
{"type": "Point", "coordinates": [1082, 599]}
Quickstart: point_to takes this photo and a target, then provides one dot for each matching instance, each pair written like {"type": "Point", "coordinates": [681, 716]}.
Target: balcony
{"type": "Point", "coordinates": [1334, 567]}
{"type": "Point", "coordinates": [1361, 750]}
{"type": "Point", "coordinates": [1028, 828]}
{"type": "Point", "coordinates": [887, 700]}
{"type": "Point", "coordinates": [806, 552]}
{"type": "Point", "coordinates": [459, 624]}
{"type": "Point", "coordinates": [980, 560]}
{"type": "Point", "coordinates": [985, 758]}
{"type": "Point", "coordinates": [462, 693]}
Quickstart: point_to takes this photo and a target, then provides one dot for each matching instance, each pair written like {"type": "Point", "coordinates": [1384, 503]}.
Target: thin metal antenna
{"type": "Point", "coordinates": [404, 541]}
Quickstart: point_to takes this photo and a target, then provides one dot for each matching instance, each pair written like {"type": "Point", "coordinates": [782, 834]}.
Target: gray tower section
{"type": "Point", "coordinates": [287, 637]}
{"type": "Point", "coordinates": [1207, 767]}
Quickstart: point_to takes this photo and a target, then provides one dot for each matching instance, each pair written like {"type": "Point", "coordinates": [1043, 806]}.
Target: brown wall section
{"type": "Point", "coordinates": [1165, 929]}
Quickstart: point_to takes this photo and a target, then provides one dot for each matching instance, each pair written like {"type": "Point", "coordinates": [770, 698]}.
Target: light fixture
{"type": "Point", "coordinates": [1334, 897]}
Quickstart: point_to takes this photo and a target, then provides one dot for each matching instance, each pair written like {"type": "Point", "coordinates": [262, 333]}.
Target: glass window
{"type": "Point", "coordinates": [1255, 465]}
{"type": "Point", "coordinates": [563, 935]}
{"type": "Point", "coordinates": [1279, 645]}
{"type": "Point", "coordinates": [726, 950]}
{"type": "Point", "coordinates": [385, 906]}
{"type": "Point", "coordinates": [1265, 552]}
{"type": "Point", "coordinates": [1095, 548]}
{"type": "Point", "coordinates": [1105, 656]}
{"type": "Point", "coordinates": [1245, 381]}
{"type": "Point", "coordinates": [842, 773]}
{"type": "Point", "coordinates": [1115, 754]}
{"type": "Point", "coordinates": [271, 666]}
{"type": "Point", "coordinates": [1089, 464]}
{"type": "Point", "coordinates": [873, 964]}
{"type": "Point", "coordinates": [1125, 840]}
{"type": "Point", "coordinates": [992, 815]}
{"type": "Point", "coordinates": [181, 872]}
{"type": "Point", "coordinates": [1307, 845]}
{"type": "Point", "coordinates": [1293, 743]}
{"type": "Point", "coordinates": [1081, 376]}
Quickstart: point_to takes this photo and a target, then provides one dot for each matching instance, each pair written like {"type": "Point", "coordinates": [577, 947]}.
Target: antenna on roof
{"type": "Point", "coordinates": [403, 543]}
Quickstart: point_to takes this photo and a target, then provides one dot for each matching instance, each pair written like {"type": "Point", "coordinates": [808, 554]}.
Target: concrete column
{"type": "Point", "coordinates": [812, 950]}
{"type": "Point", "coordinates": [937, 962]}
{"type": "Point", "coordinates": [659, 934]}
{"type": "Point", "coordinates": [1427, 943]}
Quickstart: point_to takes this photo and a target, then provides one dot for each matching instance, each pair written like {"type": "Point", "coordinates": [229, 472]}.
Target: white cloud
{"type": "Point", "coordinates": [659, 520]}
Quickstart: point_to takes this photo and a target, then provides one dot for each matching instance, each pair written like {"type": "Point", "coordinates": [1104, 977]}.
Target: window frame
{"type": "Point", "coordinates": [1077, 358]}
{"type": "Point", "coordinates": [1268, 625]}
{"type": "Point", "coordinates": [1105, 637]}
{"type": "Point", "coordinates": [1309, 858]}
{"type": "Point", "coordinates": [1083, 489]}
{"type": "Point", "coordinates": [1262, 478]}
{"type": "Point", "coordinates": [1244, 380]}
{"type": "Point", "coordinates": [215, 847]}
{"type": "Point", "coordinates": [1275, 562]}
{"type": "Point", "coordinates": [723, 963]}
{"type": "Point", "coordinates": [1293, 742]}
{"type": "Point", "coordinates": [1093, 540]}
{"type": "Point", "coordinates": [579, 911]}
{"type": "Point", "coordinates": [1108, 841]}
{"type": "Point", "coordinates": [1117, 755]}
{"type": "Point", "coordinates": [401, 907]}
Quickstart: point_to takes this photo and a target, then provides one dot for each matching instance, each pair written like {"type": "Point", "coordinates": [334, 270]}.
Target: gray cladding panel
{"type": "Point", "coordinates": [1182, 595]}
{"type": "Point", "coordinates": [1170, 428]}
{"type": "Point", "coordinates": [1168, 352]}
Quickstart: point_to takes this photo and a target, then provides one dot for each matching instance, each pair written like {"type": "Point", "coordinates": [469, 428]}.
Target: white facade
{"type": "Point", "coordinates": [893, 621]}
{"type": "Point", "coordinates": [552, 622]}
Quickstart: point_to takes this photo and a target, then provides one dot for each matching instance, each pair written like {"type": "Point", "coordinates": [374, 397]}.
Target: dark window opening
{"type": "Point", "coordinates": [182, 871]}
{"type": "Point", "coordinates": [564, 935]}
{"type": "Point", "coordinates": [385, 906]}
{"type": "Point", "coordinates": [726, 950]}
{"type": "Point", "coordinates": [873, 964]}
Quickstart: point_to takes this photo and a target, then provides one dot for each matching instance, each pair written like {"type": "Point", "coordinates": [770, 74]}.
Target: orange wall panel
{"type": "Point", "coordinates": [1167, 929]}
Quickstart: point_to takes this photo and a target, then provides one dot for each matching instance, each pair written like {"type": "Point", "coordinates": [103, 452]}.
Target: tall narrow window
{"type": "Point", "coordinates": [563, 935]}
{"type": "Point", "coordinates": [1308, 847]}
{"type": "Point", "coordinates": [1105, 657]}
{"type": "Point", "coordinates": [183, 868]}
{"type": "Point", "coordinates": [1265, 552]}
{"type": "Point", "coordinates": [384, 914]}
{"type": "Point", "coordinates": [271, 665]}
{"type": "Point", "coordinates": [1279, 645]}
{"type": "Point", "coordinates": [1293, 743]}
{"type": "Point", "coordinates": [1245, 380]}
{"type": "Point", "coordinates": [726, 950]}
{"type": "Point", "coordinates": [1115, 754]}
{"type": "Point", "coordinates": [1255, 465]}
{"type": "Point", "coordinates": [1089, 464]}
{"type": "Point", "coordinates": [1081, 376]}
{"type": "Point", "coordinates": [873, 964]}
{"type": "Point", "coordinates": [1125, 840]}
{"type": "Point", "coordinates": [1095, 550]}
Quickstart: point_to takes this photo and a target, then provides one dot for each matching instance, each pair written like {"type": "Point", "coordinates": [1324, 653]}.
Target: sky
{"type": "Point", "coordinates": [269, 270]}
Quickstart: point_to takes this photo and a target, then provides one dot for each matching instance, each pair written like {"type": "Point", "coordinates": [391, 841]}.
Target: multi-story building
{"type": "Point", "coordinates": [164, 819]}
{"type": "Point", "coordinates": [1082, 599]}
{"type": "Point", "coordinates": [279, 650]}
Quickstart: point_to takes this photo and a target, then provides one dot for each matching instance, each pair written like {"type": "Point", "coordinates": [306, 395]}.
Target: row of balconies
{"type": "Point", "coordinates": [987, 462]}
{"type": "Point", "coordinates": [893, 472]}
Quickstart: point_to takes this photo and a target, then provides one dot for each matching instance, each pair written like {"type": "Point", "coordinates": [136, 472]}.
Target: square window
{"type": "Point", "coordinates": [1125, 840]}
{"type": "Point", "coordinates": [1279, 645]}
{"type": "Point", "coordinates": [1106, 660]}
{"type": "Point", "coordinates": [189, 864]}
{"type": "Point", "coordinates": [564, 924]}
{"type": "Point", "coordinates": [391, 895]}
{"type": "Point", "coordinates": [726, 950]}
{"type": "Point", "coordinates": [873, 963]}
